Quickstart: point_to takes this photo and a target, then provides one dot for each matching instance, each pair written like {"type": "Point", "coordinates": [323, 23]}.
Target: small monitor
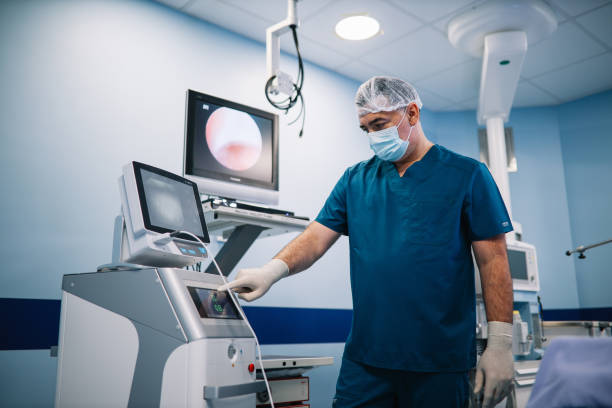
{"type": "Point", "coordinates": [169, 202]}
{"type": "Point", "coordinates": [213, 304]}
{"type": "Point", "coordinates": [231, 150]}
{"type": "Point", "coordinates": [523, 265]}
{"type": "Point", "coordinates": [157, 208]}
{"type": "Point", "coordinates": [518, 264]}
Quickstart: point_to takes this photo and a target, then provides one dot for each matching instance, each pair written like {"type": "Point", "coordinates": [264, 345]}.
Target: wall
{"type": "Point", "coordinates": [89, 86]}
{"type": "Point", "coordinates": [586, 140]}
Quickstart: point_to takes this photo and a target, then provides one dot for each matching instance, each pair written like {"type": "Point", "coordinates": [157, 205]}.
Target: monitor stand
{"type": "Point", "coordinates": [239, 227]}
{"type": "Point", "coordinates": [232, 203]}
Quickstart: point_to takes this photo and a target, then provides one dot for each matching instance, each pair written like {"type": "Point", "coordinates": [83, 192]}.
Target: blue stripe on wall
{"type": "Point", "coordinates": [603, 314]}
{"type": "Point", "coordinates": [29, 324]}
{"type": "Point", "coordinates": [282, 325]}
{"type": "Point", "coordinates": [33, 324]}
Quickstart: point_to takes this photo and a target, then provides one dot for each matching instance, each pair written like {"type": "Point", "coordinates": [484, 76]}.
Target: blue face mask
{"type": "Point", "coordinates": [387, 144]}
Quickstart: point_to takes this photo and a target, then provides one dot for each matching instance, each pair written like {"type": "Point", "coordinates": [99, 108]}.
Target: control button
{"type": "Point", "coordinates": [183, 250]}
{"type": "Point", "coordinates": [202, 250]}
{"type": "Point", "coordinates": [251, 367]}
{"type": "Point", "coordinates": [192, 252]}
{"type": "Point", "coordinates": [231, 351]}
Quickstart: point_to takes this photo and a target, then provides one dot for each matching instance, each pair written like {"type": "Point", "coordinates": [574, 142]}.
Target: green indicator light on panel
{"type": "Point", "coordinates": [504, 62]}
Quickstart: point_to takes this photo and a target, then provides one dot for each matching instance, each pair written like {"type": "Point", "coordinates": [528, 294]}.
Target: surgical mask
{"type": "Point", "coordinates": [387, 144]}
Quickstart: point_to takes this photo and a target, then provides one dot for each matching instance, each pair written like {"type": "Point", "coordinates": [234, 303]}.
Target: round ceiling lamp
{"type": "Point", "coordinates": [357, 27]}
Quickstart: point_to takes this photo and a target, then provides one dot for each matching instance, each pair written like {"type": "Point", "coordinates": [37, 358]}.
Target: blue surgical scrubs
{"type": "Point", "coordinates": [412, 275]}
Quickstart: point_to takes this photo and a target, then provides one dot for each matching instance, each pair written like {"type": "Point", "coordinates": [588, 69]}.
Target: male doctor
{"type": "Point", "coordinates": [413, 213]}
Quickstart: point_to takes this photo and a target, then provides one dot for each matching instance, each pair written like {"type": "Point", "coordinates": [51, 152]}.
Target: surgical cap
{"type": "Point", "coordinates": [384, 94]}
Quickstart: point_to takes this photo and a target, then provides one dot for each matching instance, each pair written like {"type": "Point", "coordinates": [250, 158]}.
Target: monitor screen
{"type": "Point", "coordinates": [230, 142]}
{"type": "Point", "coordinates": [213, 304]}
{"type": "Point", "coordinates": [169, 202]}
{"type": "Point", "coordinates": [518, 264]}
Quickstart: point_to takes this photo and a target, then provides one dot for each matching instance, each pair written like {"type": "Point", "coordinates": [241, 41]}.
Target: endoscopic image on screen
{"type": "Point", "coordinates": [232, 143]}
{"type": "Point", "coordinates": [171, 204]}
{"type": "Point", "coordinates": [233, 138]}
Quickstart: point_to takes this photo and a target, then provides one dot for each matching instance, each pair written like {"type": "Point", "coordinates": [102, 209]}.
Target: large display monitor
{"type": "Point", "coordinates": [231, 150]}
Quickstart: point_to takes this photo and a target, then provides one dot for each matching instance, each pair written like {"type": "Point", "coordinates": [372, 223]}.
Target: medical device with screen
{"type": "Point", "coordinates": [213, 304]}
{"type": "Point", "coordinates": [159, 212]}
{"type": "Point", "coordinates": [523, 266]}
{"type": "Point", "coordinates": [231, 150]}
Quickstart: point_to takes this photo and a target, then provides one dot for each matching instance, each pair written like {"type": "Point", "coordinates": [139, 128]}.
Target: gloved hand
{"type": "Point", "coordinates": [496, 365]}
{"type": "Point", "coordinates": [253, 283]}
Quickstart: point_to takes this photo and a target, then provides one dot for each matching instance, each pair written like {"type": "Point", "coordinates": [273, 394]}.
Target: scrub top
{"type": "Point", "coordinates": [412, 274]}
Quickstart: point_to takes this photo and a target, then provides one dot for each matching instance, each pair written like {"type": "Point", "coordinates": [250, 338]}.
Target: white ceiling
{"type": "Point", "coordinates": [574, 62]}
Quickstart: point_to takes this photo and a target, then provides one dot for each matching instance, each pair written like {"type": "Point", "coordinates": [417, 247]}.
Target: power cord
{"type": "Point", "coordinates": [290, 101]}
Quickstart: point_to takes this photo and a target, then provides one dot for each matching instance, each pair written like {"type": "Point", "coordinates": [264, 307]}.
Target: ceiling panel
{"type": "Point", "coordinates": [469, 104]}
{"type": "Point", "coordinates": [276, 10]}
{"type": "Point", "coordinates": [314, 52]}
{"type": "Point", "coordinates": [530, 95]}
{"type": "Point", "coordinates": [576, 7]}
{"type": "Point", "coordinates": [457, 84]}
{"type": "Point", "coordinates": [567, 45]}
{"type": "Point", "coordinates": [361, 71]}
{"type": "Point", "coordinates": [417, 56]}
{"type": "Point", "coordinates": [394, 23]}
{"type": "Point", "coordinates": [599, 23]}
{"type": "Point", "coordinates": [442, 23]}
{"type": "Point", "coordinates": [431, 100]}
{"type": "Point", "coordinates": [227, 16]}
{"type": "Point", "coordinates": [431, 10]}
{"type": "Point", "coordinates": [174, 3]}
{"type": "Point", "coordinates": [579, 80]}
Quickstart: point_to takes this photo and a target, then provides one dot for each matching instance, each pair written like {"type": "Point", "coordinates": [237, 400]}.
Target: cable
{"type": "Point", "coordinates": [241, 314]}
{"type": "Point", "coordinates": [290, 101]}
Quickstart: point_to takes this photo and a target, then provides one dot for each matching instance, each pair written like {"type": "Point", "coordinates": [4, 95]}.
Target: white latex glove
{"type": "Point", "coordinates": [496, 365]}
{"type": "Point", "coordinates": [253, 283]}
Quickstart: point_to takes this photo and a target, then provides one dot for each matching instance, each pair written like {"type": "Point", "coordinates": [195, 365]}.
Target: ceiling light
{"type": "Point", "coordinates": [357, 27]}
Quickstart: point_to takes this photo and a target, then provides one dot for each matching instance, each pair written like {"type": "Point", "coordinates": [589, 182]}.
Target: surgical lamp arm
{"type": "Point", "coordinates": [273, 34]}
{"type": "Point", "coordinates": [582, 249]}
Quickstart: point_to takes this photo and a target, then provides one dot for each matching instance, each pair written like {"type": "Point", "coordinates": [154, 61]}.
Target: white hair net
{"type": "Point", "coordinates": [384, 94]}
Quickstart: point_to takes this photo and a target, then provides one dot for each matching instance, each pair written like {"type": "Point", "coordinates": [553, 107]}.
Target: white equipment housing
{"type": "Point", "coordinates": [138, 338]}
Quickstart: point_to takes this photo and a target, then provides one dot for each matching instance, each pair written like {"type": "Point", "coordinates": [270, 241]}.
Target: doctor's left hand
{"type": "Point", "coordinates": [496, 366]}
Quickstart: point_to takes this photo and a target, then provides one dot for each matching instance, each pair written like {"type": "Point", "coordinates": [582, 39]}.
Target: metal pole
{"type": "Point", "coordinates": [582, 249]}
{"type": "Point", "coordinates": [498, 162]}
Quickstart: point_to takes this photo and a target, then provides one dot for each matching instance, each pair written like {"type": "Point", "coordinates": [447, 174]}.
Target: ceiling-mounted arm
{"type": "Point", "coordinates": [283, 82]}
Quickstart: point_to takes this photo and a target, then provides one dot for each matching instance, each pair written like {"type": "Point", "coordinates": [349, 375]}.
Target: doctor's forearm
{"type": "Point", "coordinates": [307, 247]}
{"type": "Point", "coordinates": [497, 289]}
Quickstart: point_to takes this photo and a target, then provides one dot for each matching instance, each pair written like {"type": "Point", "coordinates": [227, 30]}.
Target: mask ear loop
{"type": "Point", "coordinates": [403, 116]}
{"type": "Point", "coordinates": [411, 126]}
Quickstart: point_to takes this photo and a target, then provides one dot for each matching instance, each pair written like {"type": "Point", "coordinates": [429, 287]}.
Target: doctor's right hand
{"type": "Point", "coordinates": [253, 283]}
